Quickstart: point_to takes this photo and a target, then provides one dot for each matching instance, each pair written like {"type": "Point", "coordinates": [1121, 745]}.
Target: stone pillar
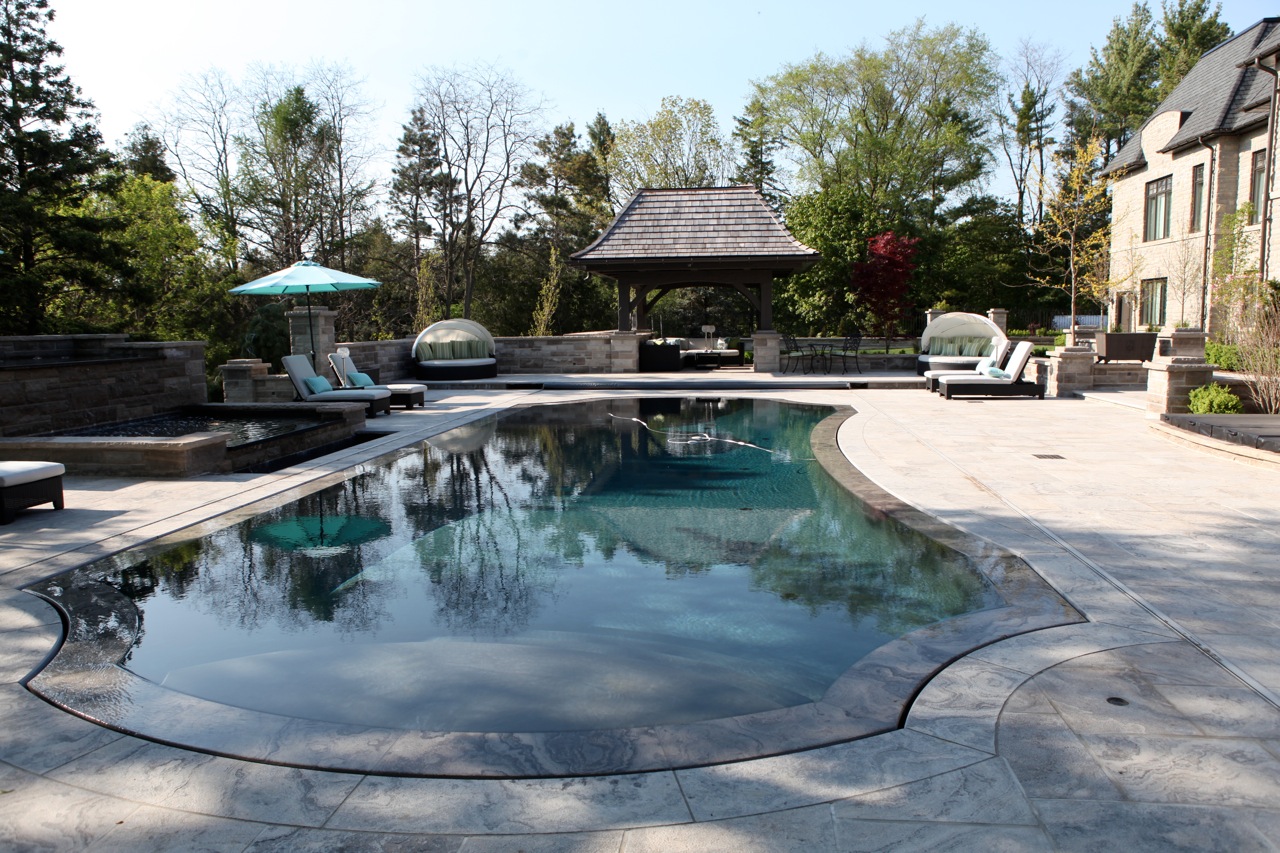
{"type": "Point", "coordinates": [933, 314]}
{"type": "Point", "coordinates": [999, 316]}
{"type": "Point", "coordinates": [624, 351]}
{"type": "Point", "coordinates": [1177, 368]}
{"type": "Point", "coordinates": [1070, 371]}
{"type": "Point", "coordinates": [1181, 343]}
{"type": "Point", "coordinates": [322, 323]}
{"type": "Point", "coordinates": [766, 351]}
{"type": "Point", "coordinates": [238, 376]}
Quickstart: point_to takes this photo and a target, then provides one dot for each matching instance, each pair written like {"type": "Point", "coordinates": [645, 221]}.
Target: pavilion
{"type": "Point", "coordinates": [666, 239]}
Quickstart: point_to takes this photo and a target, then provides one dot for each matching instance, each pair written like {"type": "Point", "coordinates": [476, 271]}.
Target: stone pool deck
{"type": "Point", "coordinates": [1152, 727]}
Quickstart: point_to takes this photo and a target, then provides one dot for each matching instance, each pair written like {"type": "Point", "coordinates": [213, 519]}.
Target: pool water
{"type": "Point", "coordinates": [243, 430]}
{"type": "Point", "coordinates": [558, 568]}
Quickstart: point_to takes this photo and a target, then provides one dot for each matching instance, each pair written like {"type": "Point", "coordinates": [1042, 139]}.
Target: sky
{"type": "Point", "coordinates": [129, 56]}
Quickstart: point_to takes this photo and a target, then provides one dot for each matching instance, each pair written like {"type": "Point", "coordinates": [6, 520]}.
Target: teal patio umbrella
{"type": "Point", "coordinates": [306, 277]}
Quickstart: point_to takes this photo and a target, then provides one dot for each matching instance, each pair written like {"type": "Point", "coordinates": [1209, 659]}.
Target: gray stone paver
{"type": "Point", "coordinates": [1014, 747]}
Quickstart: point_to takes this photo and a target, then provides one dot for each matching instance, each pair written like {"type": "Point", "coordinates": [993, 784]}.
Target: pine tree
{"type": "Point", "coordinates": [1189, 29]}
{"type": "Point", "coordinates": [51, 161]}
{"type": "Point", "coordinates": [758, 145]}
{"type": "Point", "coordinates": [1115, 92]}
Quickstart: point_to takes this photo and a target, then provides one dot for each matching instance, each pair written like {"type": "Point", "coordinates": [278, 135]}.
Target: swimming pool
{"type": "Point", "coordinates": [610, 586]}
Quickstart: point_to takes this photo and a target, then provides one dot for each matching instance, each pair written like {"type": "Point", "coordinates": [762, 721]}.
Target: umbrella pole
{"type": "Point", "coordinates": [311, 328]}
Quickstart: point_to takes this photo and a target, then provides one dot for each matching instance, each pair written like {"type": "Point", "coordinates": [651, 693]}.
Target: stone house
{"type": "Point", "coordinates": [1206, 151]}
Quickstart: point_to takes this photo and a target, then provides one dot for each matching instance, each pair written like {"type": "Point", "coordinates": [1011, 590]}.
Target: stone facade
{"type": "Point", "coordinates": [57, 382]}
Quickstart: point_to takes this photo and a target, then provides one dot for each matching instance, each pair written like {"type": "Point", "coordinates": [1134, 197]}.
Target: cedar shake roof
{"type": "Point", "coordinates": [678, 227]}
{"type": "Point", "coordinates": [1218, 96]}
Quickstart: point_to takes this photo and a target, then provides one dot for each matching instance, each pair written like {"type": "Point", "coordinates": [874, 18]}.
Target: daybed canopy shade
{"type": "Point", "coordinates": [665, 239]}
{"type": "Point", "coordinates": [959, 324]}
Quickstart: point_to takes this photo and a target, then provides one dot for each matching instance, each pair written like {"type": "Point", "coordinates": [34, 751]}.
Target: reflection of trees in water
{"type": "Point", "coordinates": [503, 519]}
{"type": "Point", "coordinates": [249, 584]}
{"type": "Point", "coordinates": [871, 568]}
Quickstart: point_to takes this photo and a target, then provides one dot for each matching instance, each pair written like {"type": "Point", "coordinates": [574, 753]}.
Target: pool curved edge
{"type": "Point", "coordinates": [86, 678]}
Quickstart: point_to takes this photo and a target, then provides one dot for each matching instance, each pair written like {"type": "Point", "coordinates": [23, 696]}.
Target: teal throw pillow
{"type": "Point", "coordinates": [359, 380]}
{"type": "Point", "coordinates": [996, 373]}
{"type": "Point", "coordinates": [423, 352]}
{"type": "Point", "coordinates": [317, 384]}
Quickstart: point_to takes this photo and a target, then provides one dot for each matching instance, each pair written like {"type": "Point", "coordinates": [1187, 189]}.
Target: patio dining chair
{"type": "Point", "coordinates": [794, 352]}
{"type": "Point", "coordinates": [847, 350]}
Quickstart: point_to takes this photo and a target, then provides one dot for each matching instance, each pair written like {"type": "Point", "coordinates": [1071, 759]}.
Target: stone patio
{"type": "Point", "coordinates": [1152, 727]}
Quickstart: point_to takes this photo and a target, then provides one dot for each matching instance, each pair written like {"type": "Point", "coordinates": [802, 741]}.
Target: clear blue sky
{"type": "Point", "coordinates": [584, 58]}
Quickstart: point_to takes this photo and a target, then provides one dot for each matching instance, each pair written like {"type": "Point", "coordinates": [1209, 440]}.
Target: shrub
{"type": "Point", "coordinates": [1215, 399]}
{"type": "Point", "coordinates": [1060, 340]}
{"type": "Point", "coordinates": [1018, 333]}
{"type": "Point", "coordinates": [1225, 356]}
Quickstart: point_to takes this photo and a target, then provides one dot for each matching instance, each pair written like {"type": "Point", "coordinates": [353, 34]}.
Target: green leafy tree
{"type": "Point", "coordinates": [1073, 239]}
{"type": "Point", "coordinates": [1188, 29]}
{"type": "Point", "coordinates": [907, 126]}
{"type": "Point", "coordinates": [681, 146]}
{"type": "Point", "coordinates": [280, 179]}
{"type": "Point", "coordinates": [52, 163]}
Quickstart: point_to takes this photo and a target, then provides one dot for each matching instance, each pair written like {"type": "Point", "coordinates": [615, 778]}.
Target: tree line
{"type": "Point", "coordinates": [236, 178]}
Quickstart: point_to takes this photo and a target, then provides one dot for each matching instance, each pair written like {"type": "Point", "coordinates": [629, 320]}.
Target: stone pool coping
{"type": "Point", "coordinates": [85, 677]}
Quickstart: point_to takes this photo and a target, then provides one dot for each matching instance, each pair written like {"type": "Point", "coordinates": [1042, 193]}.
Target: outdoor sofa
{"type": "Point", "coordinates": [454, 349]}
{"type": "Point", "coordinates": [28, 484]}
{"type": "Point", "coordinates": [957, 341]}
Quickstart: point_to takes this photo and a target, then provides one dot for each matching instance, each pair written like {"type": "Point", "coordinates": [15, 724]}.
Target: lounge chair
{"type": "Point", "coordinates": [1008, 383]}
{"type": "Point", "coordinates": [407, 394]}
{"type": "Point", "coordinates": [28, 484]}
{"type": "Point", "coordinates": [1000, 358]}
{"type": "Point", "coordinates": [312, 391]}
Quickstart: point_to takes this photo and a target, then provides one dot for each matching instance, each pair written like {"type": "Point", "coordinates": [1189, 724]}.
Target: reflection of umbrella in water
{"type": "Point", "coordinates": [321, 536]}
{"type": "Point", "coordinates": [466, 438]}
{"type": "Point", "coordinates": [306, 277]}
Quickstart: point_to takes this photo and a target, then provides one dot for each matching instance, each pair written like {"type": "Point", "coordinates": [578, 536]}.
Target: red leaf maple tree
{"type": "Point", "coordinates": [880, 283]}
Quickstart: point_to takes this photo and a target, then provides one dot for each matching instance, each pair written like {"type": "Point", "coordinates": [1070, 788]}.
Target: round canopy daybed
{"type": "Point", "coordinates": [454, 349]}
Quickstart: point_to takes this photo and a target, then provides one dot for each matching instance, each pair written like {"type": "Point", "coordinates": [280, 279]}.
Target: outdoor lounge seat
{"type": "Point", "coordinates": [407, 394]}
{"type": "Point", "coordinates": [303, 376]}
{"type": "Point", "coordinates": [454, 349]}
{"type": "Point", "coordinates": [28, 484]}
{"type": "Point", "coordinates": [1008, 384]}
{"type": "Point", "coordinates": [1000, 358]}
{"type": "Point", "coordinates": [957, 341]}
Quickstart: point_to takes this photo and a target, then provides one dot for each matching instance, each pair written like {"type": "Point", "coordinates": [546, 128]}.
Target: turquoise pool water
{"type": "Point", "coordinates": [596, 565]}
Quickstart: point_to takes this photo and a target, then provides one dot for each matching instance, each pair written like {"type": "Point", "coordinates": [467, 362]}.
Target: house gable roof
{"type": "Point", "coordinates": [1221, 94]}
{"type": "Point", "coordinates": [707, 225]}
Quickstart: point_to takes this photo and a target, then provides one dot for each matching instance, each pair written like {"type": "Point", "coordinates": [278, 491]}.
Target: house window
{"type": "Point", "coordinates": [1197, 198]}
{"type": "Point", "coordinates": [1256, 188]}
{"type": "Point", "coordinates": [1159, 193]}
{"type": "Point", "coordinates": [1151, 311]}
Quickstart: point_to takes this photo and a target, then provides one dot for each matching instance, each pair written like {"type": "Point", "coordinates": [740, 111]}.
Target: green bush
{"type": "Point", "coordinates": [1215, 399]}
{"type": "Point", "coordinates": [1060, 340]}
{"type": "Point", "coordinates": [1225, 356]}
{"type": "Point", "coordinates": [1018, 333]}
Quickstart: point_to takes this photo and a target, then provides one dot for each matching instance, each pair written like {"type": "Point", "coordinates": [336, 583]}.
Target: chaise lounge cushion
{"type": "Point", "coordinates": [20, 473]}
{"type": "Point", "coordinates": [299, 369]}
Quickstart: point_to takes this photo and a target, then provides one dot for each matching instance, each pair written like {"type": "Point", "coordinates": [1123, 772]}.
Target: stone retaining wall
{"type": "Point", "coordinates": [56, 382]}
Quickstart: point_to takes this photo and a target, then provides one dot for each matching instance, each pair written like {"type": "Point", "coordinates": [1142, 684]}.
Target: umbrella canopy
{"type": "Point", "coordinates": [305, 277]}
{"type": "Point", "coordinates": [321, 536]}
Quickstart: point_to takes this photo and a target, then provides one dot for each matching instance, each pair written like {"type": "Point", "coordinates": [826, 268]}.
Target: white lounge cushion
{"type": "Point", "coordinates": [18, 473]}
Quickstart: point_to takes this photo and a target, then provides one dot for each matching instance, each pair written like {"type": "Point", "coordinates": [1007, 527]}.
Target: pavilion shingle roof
{"type": "Point", "coordinates": [1219, 95]}
{"type": "Point", "coordinates": [721, 224]}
